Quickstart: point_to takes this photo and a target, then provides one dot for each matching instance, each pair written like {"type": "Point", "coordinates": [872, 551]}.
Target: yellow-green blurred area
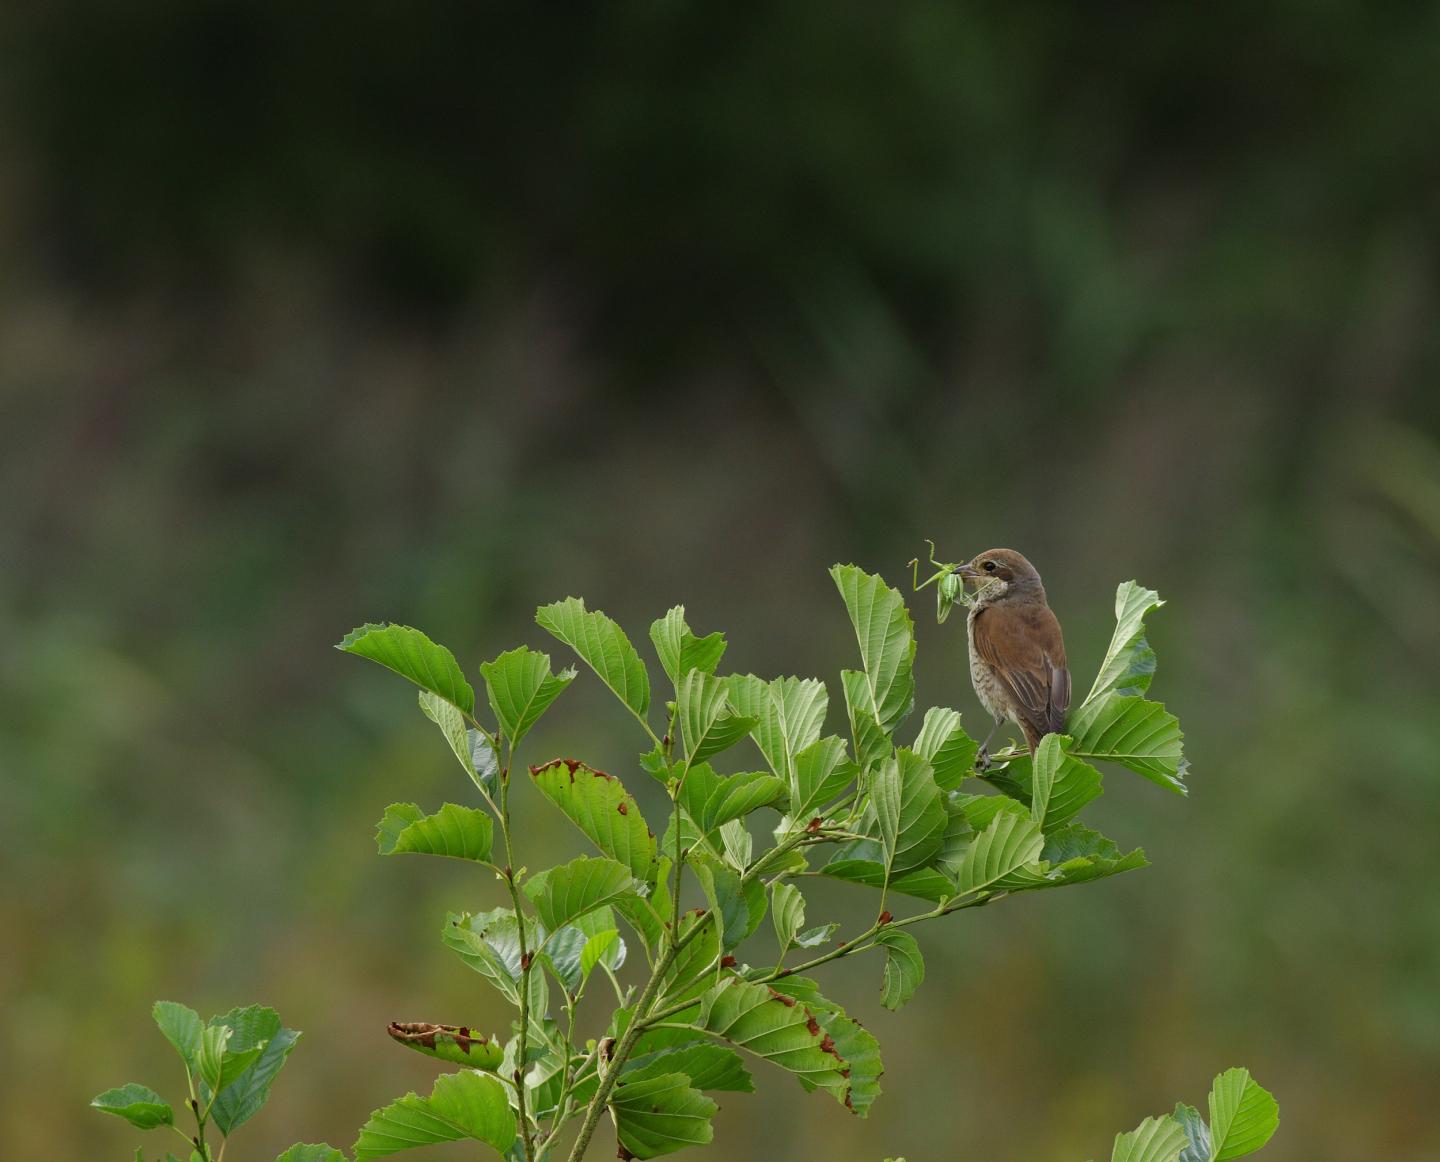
{"type": "Point", "coordinates": [317, 315]}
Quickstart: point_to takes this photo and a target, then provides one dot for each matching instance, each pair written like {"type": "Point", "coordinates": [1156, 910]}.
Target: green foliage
{"type": "Point", "coordinates": [1243, 1117]}
{"type": "Point", "coordinates": [461, 1106]}
{"type": "Point", "coordinates": [904, 819]}
{"type": "Point", "coordinates": [229, 1061]}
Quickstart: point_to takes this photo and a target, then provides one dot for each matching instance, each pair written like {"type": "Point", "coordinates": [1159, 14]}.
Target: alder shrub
{"type": "Point", "coordinates": [912, 821]}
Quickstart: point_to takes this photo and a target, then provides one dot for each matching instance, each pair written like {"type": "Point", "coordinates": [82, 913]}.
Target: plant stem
{"type": "Point", "coordinates": [526, 963]}
{"type": "Point", "coordinates": [623, 1051]}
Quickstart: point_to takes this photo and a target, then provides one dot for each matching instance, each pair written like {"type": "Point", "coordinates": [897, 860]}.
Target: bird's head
{"type": "Point", "coordinates": [1002, 575]}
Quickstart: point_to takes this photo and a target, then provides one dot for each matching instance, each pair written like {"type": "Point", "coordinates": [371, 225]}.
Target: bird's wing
{"type": "Point", "coordinates": [1024, 647]}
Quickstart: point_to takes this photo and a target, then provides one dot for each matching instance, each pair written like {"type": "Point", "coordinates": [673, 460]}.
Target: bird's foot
{"type": "Point", "coordinates": [982, 759]}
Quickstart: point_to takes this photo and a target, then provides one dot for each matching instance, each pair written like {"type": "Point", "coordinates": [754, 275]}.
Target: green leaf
{"type": "Point", "coordinates": [139, 1105]}
{"type": "Point", "coordinates": [887, 642]}
{"type": "Point", "coordinates": [708, 723]}
{"type": "Point", "coordinates": [457, 1044]}
{"type": "Point", "coordinates": [603, 948]}
{"type": "Point", "coordinates": [775, 1027]}
{"type": "Point", "coordinates": [255, 1029]}
{"type": "Point", "coordinates": [707, 1065]}
{"type": "Point", "coordinates": [910, 810]}
{"type": "Point", "coordinates": [1048, 757]}
{"type": "Point", "coordinates": [1073, 785]}
{"type": "Point", "coordinates": [856, 1046]}
{"type": "Point", "coordinates": [301, 1152]}
{"type": "Point", "coordinates": [872, 744]}
{"type": "Point", "coordinates": [659, 1113]}
{"type": "Point", "coordinates": [472, 748]}
{"type": "Point", "coordinates": [925, 883]}
{"type": "Point", "coordinates": [814, 937]}
{"type": "Point", "coordinates": [738, 843]}
{"type": "Point", "coordinates": [1076, 854]}
{"type": "Point", "coordinates": [489, 943]}
{"type": "Point", "coordinates": [712, 799]}
{"type": "Point", "coordinates": [600, 806]}
{"type": "Point", "coordinates": [787, 912]}
{"type": "Point", "coordinates": [567, 892]}
{"type": "Point", "coordinates": [457, 832]}
{"type": "Point", "coordinates": [680, 651]}
{"type": "Point", "coordinates": [603, 646]}
{"type": "Point", "coordinates": [696, 965]}
{"type": "Point", "coordinates": [949, 749]}
{"type": "Point", "coordinates": [211, 1058]}
{"type": "Point", "coordinates": [1129, 661]}
{"type": "Point", "coordinates": [1198, 1133]}
{"type": "Point", "coordinates": [414, 656]}
{"type": "Point", "coordinates": [1007, 845]}
{"type": "Point", "coordinates": [739, 904]}
{"type": "Point", "coordinates": [181, 1026]}
{"type": "Point", "coordinates": [904, 967]}
{"type": "Point", "coordinates": [1243, 1115]}
{"type": "Point", "coordinates": [1135, 733]}
{"type": "Point", "coordinates": [521, 688]}
{"type": "Point", "coordinates": [819, 773]}
{"type": "Point", "coordinates": [464, 1105]}
{"type": "Point", "coordinates": [1153, 1140]}
{"type": "Point", "coordinates": [789, 713]}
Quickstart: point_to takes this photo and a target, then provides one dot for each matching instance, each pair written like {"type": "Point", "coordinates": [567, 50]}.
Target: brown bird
{"type": "Point", "coordinates": [1017, 652]}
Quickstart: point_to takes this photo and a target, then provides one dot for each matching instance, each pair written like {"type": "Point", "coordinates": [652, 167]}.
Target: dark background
{"type": "Point", "coordinates": [312, 315]}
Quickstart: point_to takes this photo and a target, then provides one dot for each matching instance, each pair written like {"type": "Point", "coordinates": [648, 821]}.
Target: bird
{"type": "Point", "coordinates": [1017, 650]}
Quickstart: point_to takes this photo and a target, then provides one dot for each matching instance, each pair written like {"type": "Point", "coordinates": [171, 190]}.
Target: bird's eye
{"type": "Point", "coordinates": [989, 566]}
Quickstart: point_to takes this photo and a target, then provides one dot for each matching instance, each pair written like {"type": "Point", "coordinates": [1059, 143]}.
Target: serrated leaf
{"type": "Point", "coordinates": [738, 844]}
{"type": "Point", "coordinates": [257, 1028]}
{"type": "Point", "coordinates": [1129, 661]}
{"type": "Point", "coordinates": [787, 912]}
{"type": "Point", "coordinates": [464, 1105]}
{"type": "Point", "coordinates": [604, 948]}
{"type": "Point", "coordinates": [414, 656]}
{"type": "Point", "coordinates": [739, 904]}
{"type": "Point", "coordinates": [696, 966]}
{"type": "Point", "coordinates": [904, 967]}
{"type": "Point", "coordinates": [712, 800]}
{"type": "Point", "coordinates": [453, 831]}
{"type": "Point", "coordinates": [659, 1113]}
{"type": "Point", "coordinates": [521, 688]}
{"type": "Point", "coordinates": [680, 651]}
{"type": "Point", "coordinates": [707, 1065]}
{"type": "Point", "coordinates": [820, 772]}
{"type": "Point", "coordinates": [457, 1044]}
{"type": "Point", "coordinates": [1075, 783]}
{"type": "Point", "coordinates": [303, 1152]}
{"type": "Point", "coordinates": [489, 943]}
{"type": "Point", "coordinates": [887, 642]}
{"type": "Point", "coordinates": [1243, 1115]}
{"type": "Point", "coordinates": [139, 1105]}
{"type": "Point", "coordinates": [856, 1046]}
{"type": "Point", "coordinates": [872, 744]}
{"type": "Point", "coordinates": [910, 811]}
{"type": "Point", "coordinates": [211, 1056]}
{"type": "Point", "coordinates": [181, 1026]}
{"type": "Point", "coordinates": [761, 1021]}
{"type": "Point", "coordinates": [1046, 765]}
{"type": "Point", "coordinates": [599, 805]}
{"type": "Point", "coordinates": [862, 863]}
{"type": "Point", "coordinates": [565, 893]}
{"type": "Point", "coordinates": [950, 751]}
{"type": "Point", "coordinates": [603, 646]}
{"type": "Point", "coordinates": [1077, 854]}
{"type": "Point", "coordinates": [472, 748]}
{"type": "Point", "coordinates": [1154, 1140]}
{"type": "Point", "coordinates": [708, 722]}
{"type": "Point", "coordinates": [1196, 1131]}
{"type": "Point", "coordinates": [1135, 733]}
{"type": "Point", "coordinates": [1005, 847]}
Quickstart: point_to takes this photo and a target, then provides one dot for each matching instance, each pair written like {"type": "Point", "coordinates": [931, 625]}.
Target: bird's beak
{"type": "Point", "coordinates": [969, 572]}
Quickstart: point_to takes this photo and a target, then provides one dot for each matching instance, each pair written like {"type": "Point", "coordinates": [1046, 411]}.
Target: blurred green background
{"type": "Point", "coordinates": [313, 315]}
